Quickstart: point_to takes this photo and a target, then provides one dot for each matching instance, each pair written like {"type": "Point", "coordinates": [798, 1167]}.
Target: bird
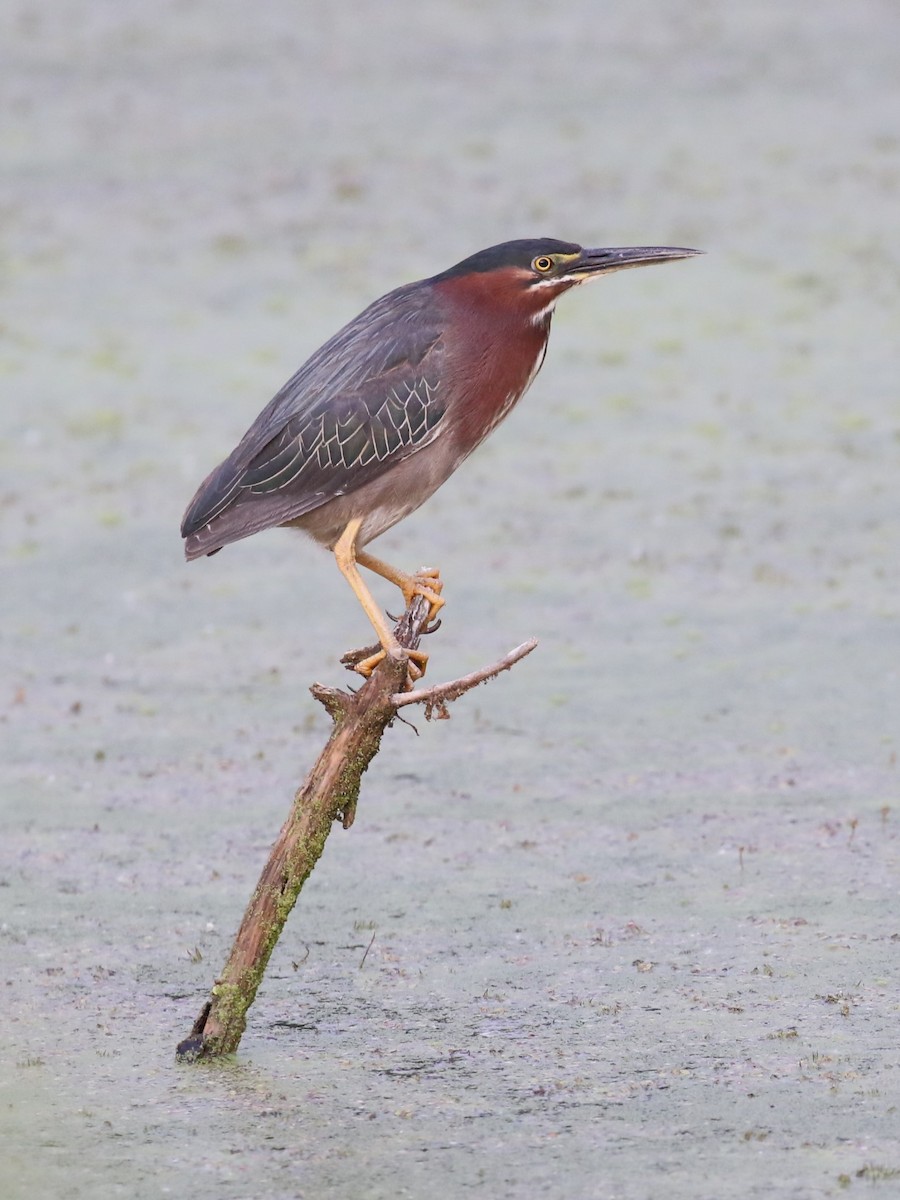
{"type": "Point", "coordinates": [388, 408]}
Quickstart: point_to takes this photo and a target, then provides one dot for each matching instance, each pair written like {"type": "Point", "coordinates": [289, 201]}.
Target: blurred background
{"type": "Point", "coordinates": [694, 509]}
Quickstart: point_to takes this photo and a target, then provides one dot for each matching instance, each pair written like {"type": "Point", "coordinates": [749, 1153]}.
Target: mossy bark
{"type": "Point", "coordinates": [330, 793]}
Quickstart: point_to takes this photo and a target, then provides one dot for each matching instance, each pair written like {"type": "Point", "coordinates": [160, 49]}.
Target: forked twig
{"type": "Point", "coordinates": [441, 694]}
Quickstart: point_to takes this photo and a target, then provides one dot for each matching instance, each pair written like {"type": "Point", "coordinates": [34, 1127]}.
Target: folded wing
{"type": "Point", "coordinates": [369, 398]}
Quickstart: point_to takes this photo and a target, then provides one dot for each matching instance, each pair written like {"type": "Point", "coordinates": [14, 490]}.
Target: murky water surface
{"type": "Point", "coordinates": [635, 907]}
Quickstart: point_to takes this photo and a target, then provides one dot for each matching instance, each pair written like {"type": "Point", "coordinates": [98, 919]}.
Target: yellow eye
{"type": "Point", "coordinates": [543, 263]}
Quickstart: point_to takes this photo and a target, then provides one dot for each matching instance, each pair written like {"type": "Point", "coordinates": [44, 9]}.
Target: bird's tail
{"type": "Point", "coordinates": [204, 541]}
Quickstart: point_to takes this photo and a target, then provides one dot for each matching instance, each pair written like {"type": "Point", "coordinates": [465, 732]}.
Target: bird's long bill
{"type": "Point", "coordinates": [599, 262]}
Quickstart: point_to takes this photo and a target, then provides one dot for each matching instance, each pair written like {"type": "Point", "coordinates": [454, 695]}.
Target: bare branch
{"type": "Point", "coordinates": [442, 693]}
{"type": "Point", "coordinates": [329, 794]}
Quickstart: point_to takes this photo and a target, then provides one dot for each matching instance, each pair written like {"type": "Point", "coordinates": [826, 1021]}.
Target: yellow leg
{"type": "Point", "coordinates": [427, 582]}
{"type": "Point", "coordinates": [346, 557]}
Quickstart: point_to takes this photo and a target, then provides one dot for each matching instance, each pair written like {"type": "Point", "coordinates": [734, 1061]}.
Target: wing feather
{"type": "Point", "coordinates": [365, 400]}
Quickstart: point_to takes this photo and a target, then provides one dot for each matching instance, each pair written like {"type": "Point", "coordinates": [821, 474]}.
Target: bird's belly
{"type": "Point", "coordinates": [386, 500]}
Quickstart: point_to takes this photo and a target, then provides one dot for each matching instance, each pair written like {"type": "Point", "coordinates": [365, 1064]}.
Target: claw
{"type": "Point", "coordinates": [428, 584]}
{"type": "Point", "coordinates": [415, 667]}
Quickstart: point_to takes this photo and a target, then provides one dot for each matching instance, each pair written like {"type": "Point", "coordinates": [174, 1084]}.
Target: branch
{"type": "Point", "coordinates": [441, 694]}
{"type": "Point", "coordinates": [329, 793]}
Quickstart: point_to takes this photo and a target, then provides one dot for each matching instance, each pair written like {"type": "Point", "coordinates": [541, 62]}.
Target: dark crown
{"type": "Point", "coordinates": [519, 253]}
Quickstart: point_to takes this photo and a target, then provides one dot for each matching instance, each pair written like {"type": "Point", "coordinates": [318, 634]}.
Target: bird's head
{"type": "Point", "coordinates": [531, 273]}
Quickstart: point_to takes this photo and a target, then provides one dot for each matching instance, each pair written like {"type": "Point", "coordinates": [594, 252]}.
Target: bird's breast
{"type": "Point", "coordinates": [503, 368]}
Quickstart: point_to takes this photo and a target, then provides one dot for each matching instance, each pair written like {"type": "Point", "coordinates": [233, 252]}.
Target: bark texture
{"type": "Point", "coordinates": [329, 793]}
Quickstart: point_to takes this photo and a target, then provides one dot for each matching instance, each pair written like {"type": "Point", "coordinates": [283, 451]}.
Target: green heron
{"type": "Point", "coordinates": [389, 407]}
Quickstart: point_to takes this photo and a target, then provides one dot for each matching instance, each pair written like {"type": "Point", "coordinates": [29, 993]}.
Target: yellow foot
{"type": "Point", "coordinates": [427, 583]}
{"type": "Point", "coordinates": [415, 669]}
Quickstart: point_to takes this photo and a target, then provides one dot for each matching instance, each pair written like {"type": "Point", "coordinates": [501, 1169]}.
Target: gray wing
{"type": "Point", "coordinates": [367, 399]}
